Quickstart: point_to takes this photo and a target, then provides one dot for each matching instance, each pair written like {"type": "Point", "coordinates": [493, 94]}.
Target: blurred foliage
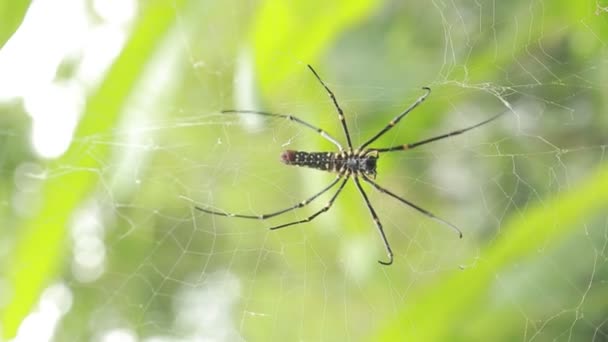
{"type": "Point", "coordinates": [43, 238]}
{"type": "Point", "coordinates": [529, 190]}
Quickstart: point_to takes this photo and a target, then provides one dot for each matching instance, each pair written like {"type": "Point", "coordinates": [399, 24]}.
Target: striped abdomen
{"type": "Point", "coordinates": [325, 161]}
{"type": "Point", "coordinates": [355, 163]}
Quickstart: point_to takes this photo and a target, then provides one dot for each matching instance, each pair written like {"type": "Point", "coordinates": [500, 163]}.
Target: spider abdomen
{"type": "Point", "coordinates": [325, 161]}
{"type": "Point", "coordinates": [333, 161]}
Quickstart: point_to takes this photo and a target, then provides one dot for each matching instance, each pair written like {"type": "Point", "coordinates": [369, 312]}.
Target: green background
{"type": "Point", "coordinates": [529, 191]}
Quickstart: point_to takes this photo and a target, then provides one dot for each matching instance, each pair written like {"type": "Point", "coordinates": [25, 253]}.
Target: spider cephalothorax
{"type": "Point", "coordinates": [349, 163]}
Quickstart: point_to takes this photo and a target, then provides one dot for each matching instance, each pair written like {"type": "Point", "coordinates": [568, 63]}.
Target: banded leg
{"type": "Point", "coordinates": [378, 224]}
{"type": "Point", "coordinates": [324, 209]}
{"type": "Point", "coordinates": [412, 205]}
{"type": "Point", "coordinates": [439, 137]}
{"type": "Point", "coordinates": [276, 213]}
{"type": "Point", "coordinates": [291, 118]}
{"type": "Point", "coordinates": [340, 111]}
{"type": "Point", "coordinates": [398, 118]}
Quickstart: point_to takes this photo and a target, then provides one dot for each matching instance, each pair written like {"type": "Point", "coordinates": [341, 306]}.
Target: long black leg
{"type": "Point", "coordinates": [340, 111]}
{"type": "Point", "coordinates": [439, 137]}
{"type": "Point", "coordinates": [378, 224]}
{"type": "Point", "coordinates": [276, 213]}
{"type": "Point", "coordinates": [324, 209]}
{"type": "Point", "coordinates": [396, 120]}
{"type": "Point", "coordinates": [289, 117]}
{"type": "Point", "coordinates": [412, 205]}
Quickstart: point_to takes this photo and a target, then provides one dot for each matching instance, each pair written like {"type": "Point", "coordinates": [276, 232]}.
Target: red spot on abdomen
{"type": "Point", "coordinates": [288, 157]}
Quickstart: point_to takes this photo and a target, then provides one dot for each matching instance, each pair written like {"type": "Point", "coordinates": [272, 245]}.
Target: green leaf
{"type": "Point", "coordinates": [436, 314]}
{"type": "Point", "coordinates": [11, 16]}
{"type": "Point", "coordinates": [314, 24]}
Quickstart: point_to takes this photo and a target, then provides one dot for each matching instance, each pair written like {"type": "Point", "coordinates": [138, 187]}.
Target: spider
{"type": "Point", "coordinates": [348, 163]}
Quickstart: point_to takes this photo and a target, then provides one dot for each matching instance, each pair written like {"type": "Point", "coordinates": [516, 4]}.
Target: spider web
{"type": "Point", "coordinates": [528, 190]}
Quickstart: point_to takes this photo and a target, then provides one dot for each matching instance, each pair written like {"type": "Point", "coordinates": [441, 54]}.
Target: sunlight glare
{"type": "Point", "coordinates": [89, 251]}
{"type": "Point", "coordinates": [118, 12]}
{"type": "Point", "coordinates": [54, 34]}
{"type": "Point", "coordinates": [41, 323]}
{"type": "Point", "coordinates": [119, 335]}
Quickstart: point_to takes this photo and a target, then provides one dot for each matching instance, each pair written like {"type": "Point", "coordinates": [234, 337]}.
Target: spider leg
{"type": "Point", "coordinates": [322, 210]}
{"type": "Point", "coordinates": [291, 118]}
{"type": "Point", "coordinates": [389, 252]}
{"type": "Point", "coordinates": [396, 120]}
{"type": "Point", "coordinates": [340, 111]}
{"type": "Point", "coordinates": [412, 205]}
{"type": "Point", "coordinates": [439, 137]}
{"type": "Point", "coordinates": [276, 213]}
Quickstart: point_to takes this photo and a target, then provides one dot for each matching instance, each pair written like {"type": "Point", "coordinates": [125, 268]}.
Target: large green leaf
{"type": "Point", "coordinates": [436, 314]}
{"type": "Point", "coordinates": [315, 24]}
{"type": "Point", "coordinates": [11, 16]}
